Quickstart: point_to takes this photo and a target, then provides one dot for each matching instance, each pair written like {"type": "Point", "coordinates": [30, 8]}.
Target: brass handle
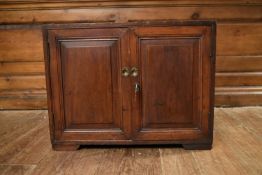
{"type": "Point", "coordinates": [125, 72]}
{"type": "Point", "coordinates": [134, 72]}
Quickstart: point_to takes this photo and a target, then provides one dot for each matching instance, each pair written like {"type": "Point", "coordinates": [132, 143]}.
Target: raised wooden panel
{"type": "Point", "coordinates": [220, 12]}
{"type": "Point", "coordinates": [239, 39]}
{"type": "Point", "coordinates": [166, 80]}
{"type": "Point", "coordinates": [21, 45]}
{"type": "Point", "coordinates": [239, 79]}
{"type": "Point", "coordinates": [88, 68]}
{"type": "Point", "coordinates": [239, 63]}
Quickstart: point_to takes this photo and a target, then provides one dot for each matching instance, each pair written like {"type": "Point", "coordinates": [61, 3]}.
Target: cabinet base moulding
{"type": "Point", "coordinates": [197, 146]}
{"type": "Point", "coordinates": [65, 147]}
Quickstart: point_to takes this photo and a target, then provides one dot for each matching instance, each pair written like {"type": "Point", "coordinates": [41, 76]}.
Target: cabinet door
{"type": "Point", "coordinates": [176, 82]}
{"type": "Point", "coordinates": [85, 83]}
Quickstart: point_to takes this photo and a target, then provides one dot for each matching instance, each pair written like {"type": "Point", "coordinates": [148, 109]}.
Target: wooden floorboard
{"type": "Point", "coordinates": [16, 169]}
{"type": "Point", "coordinates": [25, 149]}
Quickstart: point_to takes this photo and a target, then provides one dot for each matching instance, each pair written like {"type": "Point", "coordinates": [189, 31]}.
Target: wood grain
{"type": "Point", "coordinates": [85, 77]}
{"type": "Point", "coordinates": [23, 99]}
{"type": "Point", "coordinates": [248, 129]}
{"type": "Point", "coordinates": [236, 150]}
{"type": "Point", "coordinates": [84, 84]}
{"type": "Point", "coordinates": [164, 59]}
{"type": "Point", "coordinates": [239, 79]}
{"type": "Point", "coordinates": [238, 90]}
{"type": "Point", "coordinates": [21, 68]}
{"type": "Point", "coordinates": [22, 82]}
{"type": "Point", "coordinates": [248, 99]}
{"type": "Point", "coordinates": [220, 13]}
{"type": "Point", "coordinates": [25, 140]}
{"type": "Point", "coordinates": [26, 102]}
{"type": "Point", "coordinates": [26, 44]}
{"type": "Point", "coordinates": [166, 78]}
{"type": "Point", "coordinates": [178, 1]}
{"type": "Point", "coordinates": [241, 96]}
{"type": "Point", "coordinates": [16, 169]}
{"type": "Point", "coordinates": [93, 85]}
{"type": "Point", "coordinates": [141, 161]}
{"type": "Point", "coordinates": [239, 63]}
{"type": "Point", "coordinates": [45, 4]}
{"type": "Point", "coordinates": [21, 45]}
{"type": "Point", "coordinates": [239, 38]}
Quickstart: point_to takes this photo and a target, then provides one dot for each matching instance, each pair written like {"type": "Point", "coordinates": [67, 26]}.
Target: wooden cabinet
{"type": "Point", "coordinates": [133, 83]}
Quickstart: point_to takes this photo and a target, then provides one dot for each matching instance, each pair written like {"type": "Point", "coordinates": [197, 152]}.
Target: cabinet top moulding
{"type": "Point", "coordinates": [133, 23]}
{"type": "Point", "coordinates": [113, 24]}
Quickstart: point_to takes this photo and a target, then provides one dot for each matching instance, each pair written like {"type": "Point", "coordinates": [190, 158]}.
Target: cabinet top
{"type": "Point", "coordinates": [134, 23]}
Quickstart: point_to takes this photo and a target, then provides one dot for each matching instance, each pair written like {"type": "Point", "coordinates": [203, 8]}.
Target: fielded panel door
{"type": "Point", "coordinates": [87, 91]}
{"type": "Point", "coordinates": [175, 68]}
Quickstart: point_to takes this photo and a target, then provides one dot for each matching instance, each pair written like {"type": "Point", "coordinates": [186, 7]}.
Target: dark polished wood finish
{"type": "Point", "coordinates": [169, 101]}
{"type": "Point", "coordinates": [85, 84]}
{"type": "Point", "coordinates": [173, 62]}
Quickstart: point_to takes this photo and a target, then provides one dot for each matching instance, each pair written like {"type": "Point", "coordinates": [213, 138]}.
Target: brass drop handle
{"type": "Point", "coordinates": [125, 72]}
{"type": "Point", "coordinates": [134, 72]}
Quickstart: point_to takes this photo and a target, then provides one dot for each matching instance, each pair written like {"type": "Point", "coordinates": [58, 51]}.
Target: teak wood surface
{"type": "Point", "coordinates": [90, 102]}
{"type": "Point", "coordinates": [26, 149]}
